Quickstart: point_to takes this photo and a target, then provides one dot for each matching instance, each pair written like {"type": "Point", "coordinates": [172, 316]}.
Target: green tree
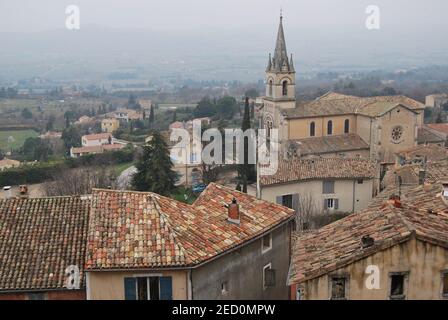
{"type": "Point", "coordinates": [151, 115]}
{"type": "Point", "coordinates": [71, 137]}
{"type": "Point", "coordinates": [205, 108]}
{"type": "Point", "coordinates": [155, 168]}
{"type": "Point", "coordinates": [27, 114]}
{"type": "Point", "coordinates": [36, 149]}
{"type": "Point", "coordinates": [50, 123]}
{"type": "Point", "coordinates": [246, 171]}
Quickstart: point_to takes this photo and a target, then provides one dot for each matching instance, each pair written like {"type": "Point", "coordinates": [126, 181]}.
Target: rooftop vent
{"type": "Point", "coordinates": [7, 191]}
{"type": "Point", "coordinates": [367, 241]}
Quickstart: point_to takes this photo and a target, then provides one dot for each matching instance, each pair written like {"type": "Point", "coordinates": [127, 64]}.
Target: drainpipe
{"type": "Point", "coordinates": [189, 285]}
{"type": "Point", "coordinates": [353, 199]}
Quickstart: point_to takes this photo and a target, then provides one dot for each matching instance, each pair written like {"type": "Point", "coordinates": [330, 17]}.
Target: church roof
{"type": "Point", "coordinates": [339, 104]}
{"type": "Point", "coordinates": [330, 144]}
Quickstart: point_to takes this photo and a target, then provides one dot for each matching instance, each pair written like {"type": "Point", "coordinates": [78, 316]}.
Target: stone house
{"type": "Point", "coordinates": [226, 245]}
{"type": "Point", "coordinates": [395, 249]}
{"type": "Point", "coordinates": [332, 184]}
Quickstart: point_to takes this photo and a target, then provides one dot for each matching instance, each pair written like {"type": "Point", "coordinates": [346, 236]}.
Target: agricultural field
{"type": "Point", "coordinates": [14, 139]}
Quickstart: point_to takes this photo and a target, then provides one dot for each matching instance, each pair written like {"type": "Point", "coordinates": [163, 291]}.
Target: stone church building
{"type": "Point", "coordinates": [335, 125]}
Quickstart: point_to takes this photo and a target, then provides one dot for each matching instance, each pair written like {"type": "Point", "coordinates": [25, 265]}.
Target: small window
{"type": "Point", "coordinates": [287, 201]}
{"type": "Point", "coordinates": [329, 127]}
{"type": "Point", "coordinates": [268, 276]}
{"type": "Point", "coordinates": [270, 88]}
{"type": "Point", "coordinates": [328, 187]}
{"type": "Point", "coordinates": [397, 286]}
{"type": "Point", "coordinates": [285, 88]}
{"type": "Point", "coordinates": [331, 204]}
{"type": "Point", "coordinates": [339, 288]}
{"type": "Point", "coordinates": [266, 243]}
{"type": "Point", "coordinates": [445, 284]}
{"type": "Point", "coordinates": [148, 288]}
{"type": "Point", "coordinates": [312, 129]}
{"type": "Point", "coordinates": [346, 126]}
{"type": "Point", "coordinates": [360, 181]}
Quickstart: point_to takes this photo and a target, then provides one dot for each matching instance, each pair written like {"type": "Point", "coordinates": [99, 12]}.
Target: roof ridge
{"type": "Point", "coordinates": [170, 227]}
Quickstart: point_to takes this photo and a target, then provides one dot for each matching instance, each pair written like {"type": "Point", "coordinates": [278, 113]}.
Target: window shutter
{"type": "Point", "coordinates": [129, 289]}
{"type": "Point", "coordinates": [279, 200]}
{"type": "Point", "coordinates": [166, 288]}
{"type": "Point", "coordinates": [336, 204]}
{"type": "Point", "coordinates": [295, 202]}
{"type": "Point", "coordinates": [269, 277]}
{"type": "Point", "coordinates": [325, 204]}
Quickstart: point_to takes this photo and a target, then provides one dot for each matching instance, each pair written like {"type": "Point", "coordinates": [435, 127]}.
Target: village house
{"type": "Point", "coordinates": [85, 120]}
{"type": "Point", "coordinates": [110, 125]}
{"type": "Point", "coordinates": [386, 124]}
{"type": "Point", "coordinates": [331, 184]}
{"type": "Point", "coordinates": [97, 139]}
{"type": "Point", "coordinates": [395, 249]}
{"type": "Point", "coordinates": [82, 151]}
{"type": "Point", "coordinates": [126, 115]}
{"type": "Point", "coordinates": [42, 247]}
{"type": "Point", "coordinates": [226, 245]}
{"type": "Point", "coordinates": [436, 100]}
{"type": "Point", "coordinates": [8, 163]}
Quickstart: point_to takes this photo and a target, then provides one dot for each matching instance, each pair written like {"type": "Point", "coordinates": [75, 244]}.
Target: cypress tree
{"type": "Point", "coordinates": [154, 168]}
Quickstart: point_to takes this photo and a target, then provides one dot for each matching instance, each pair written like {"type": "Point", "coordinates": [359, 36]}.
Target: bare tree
{"type": "Point", "coordinates": [307, 210]}
{"type": "Point", "coordinates": [78, 181]}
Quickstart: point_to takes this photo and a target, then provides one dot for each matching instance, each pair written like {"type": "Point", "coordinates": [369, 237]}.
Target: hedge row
{"type": "Point", "coordinates": [38, 173]}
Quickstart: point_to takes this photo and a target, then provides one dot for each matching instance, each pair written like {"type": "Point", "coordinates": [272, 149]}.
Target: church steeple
{"type": "Point", "coordinates": [280, 62]}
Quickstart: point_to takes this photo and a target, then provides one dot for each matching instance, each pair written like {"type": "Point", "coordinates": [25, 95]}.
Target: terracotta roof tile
{"type": "Point", "coordinates": [337, 104]}
{"type": "Point", "coordinates": [325, 168]}
{"type": "Point", "coordinates": [145, 230]}
{"type": "Point", "coordinates": [424, 213]}
{"type": "Point", "coordinates": [330, 144]}
{"type": "Point", "coordinates": [41, 237]}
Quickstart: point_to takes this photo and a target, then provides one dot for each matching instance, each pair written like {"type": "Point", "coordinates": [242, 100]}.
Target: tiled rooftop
{"type": "Point", "coordinates": [134, 230]}
{"type": "Point", "coordinates": [424, 213]}
{"type": "Point", "coordinates": [338, 104]}
{"type": "Point", "coordinates": [39, 238]}
{"type": "Point", "coordinates": [325, 168]}
{"type": "Point", "coordinates": [330, 144]}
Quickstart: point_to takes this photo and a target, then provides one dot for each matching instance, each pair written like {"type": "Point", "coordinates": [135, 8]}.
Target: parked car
{"type": "Point", "coordinates": [198, 188]}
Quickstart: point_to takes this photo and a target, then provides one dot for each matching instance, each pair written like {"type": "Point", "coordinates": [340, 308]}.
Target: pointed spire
{"type": "Point", "coordinates": [269, 63]}
{"type": "Point", "coordinates": [280, 54]}
{"type": "Point", "coordinates": [291, 64]}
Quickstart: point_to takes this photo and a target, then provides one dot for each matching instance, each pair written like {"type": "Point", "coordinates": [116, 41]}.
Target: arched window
{"type": "Point", "coordinates": [285, 88]}
{"type": "Point", "coordinates": [270, 88]}
{"type": "Point", "coordinates": [329, 127]}
{"type": "Point", "coordinates": [312, 129]}
{"type": "Point", "coordinates": [347, 126]}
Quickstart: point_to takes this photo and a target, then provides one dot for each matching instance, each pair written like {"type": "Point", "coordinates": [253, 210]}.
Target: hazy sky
{"type": "Point", "coordinates": [39, 15]}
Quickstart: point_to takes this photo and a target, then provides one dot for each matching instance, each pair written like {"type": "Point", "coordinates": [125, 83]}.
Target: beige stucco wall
{"type": "Point", "coordinates": [352, 196]}
{"type": "Point", "coordinates": [422, 260]}
{"type": "Point", "coordinates": [399, 116]}
{"type": "Point", "coordinates": [300, 128]}
{"type": "Point", "coordinates": [363, 128]}
{"type": "Point", "coordinates": [109, 285]}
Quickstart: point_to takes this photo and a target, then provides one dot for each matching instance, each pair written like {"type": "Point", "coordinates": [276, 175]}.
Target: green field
{"type": "Point", "coordinates": [15, 139]}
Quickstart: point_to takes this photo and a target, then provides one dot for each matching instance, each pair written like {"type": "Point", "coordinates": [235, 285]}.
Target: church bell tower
{"type": "Point", "coordinates": [280, 75]}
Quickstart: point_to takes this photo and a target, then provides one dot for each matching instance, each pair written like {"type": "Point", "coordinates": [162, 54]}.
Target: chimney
{"type": "Point", "coordinates": [7, 190]}
{"type": "Point", "coordinates": [23, 191]}
{"type": "Point", "coordinates": [234, 212]}
{"type": "Point", "coordinates": [421, 176]}
{"type": "Point", "coordinates": [395, 201]}
{"type": "Point", "coordinates": [445, 189]}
